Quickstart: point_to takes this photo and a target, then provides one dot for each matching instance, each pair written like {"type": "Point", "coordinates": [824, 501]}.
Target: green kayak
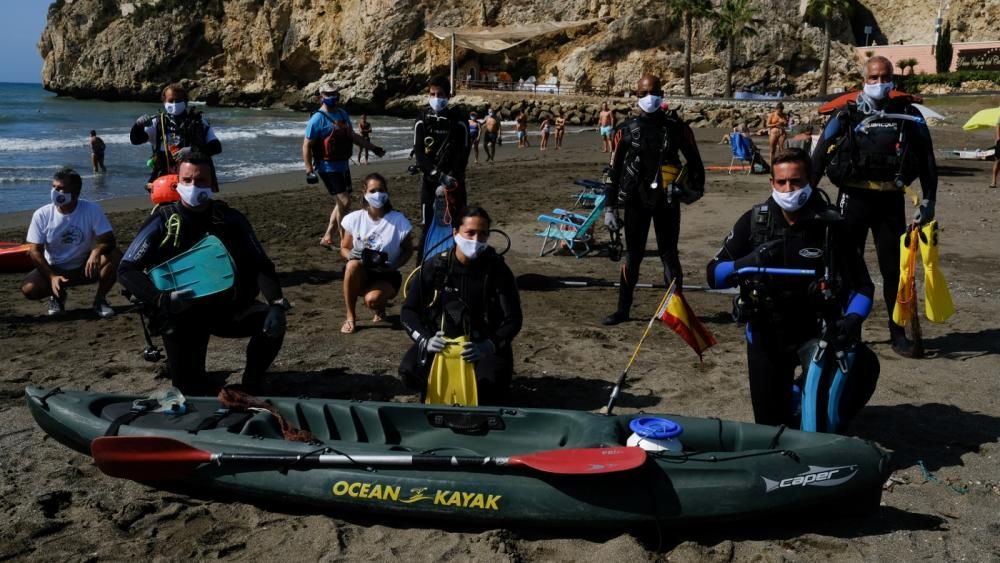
{"type": "Point", "coordinates": [485, 465]}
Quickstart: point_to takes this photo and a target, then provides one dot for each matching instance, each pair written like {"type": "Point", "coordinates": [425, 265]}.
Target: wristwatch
{"type": "Point", "coordinates": [281, 302]}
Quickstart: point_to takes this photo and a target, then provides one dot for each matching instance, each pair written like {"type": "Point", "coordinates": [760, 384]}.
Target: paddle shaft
{"type": "Point", "coordinates": [424, 460]}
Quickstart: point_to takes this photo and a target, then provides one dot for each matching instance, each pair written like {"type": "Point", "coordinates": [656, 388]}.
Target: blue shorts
{"type": "Point", "coordinates": [336, 182]}
{"type": "Point", "coordinates": [605, 130]}
{"type": "Point", "coordinates": [520, 134]}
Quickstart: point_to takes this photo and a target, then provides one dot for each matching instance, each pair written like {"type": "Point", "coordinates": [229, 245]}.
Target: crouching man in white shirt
{"type": "Point", "coordinates": [72, 244]}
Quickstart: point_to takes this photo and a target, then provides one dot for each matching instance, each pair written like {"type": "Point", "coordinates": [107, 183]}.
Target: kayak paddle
{"type": "Point", "coordinates": [156, 458]}
{"type": "Point", "coordinates": [540, 282]}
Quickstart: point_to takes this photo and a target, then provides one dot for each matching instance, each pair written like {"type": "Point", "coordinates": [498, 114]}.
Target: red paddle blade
{"type": "Point", "coordinates": [146, 458]}
{"type": "Point", "coordinates": [583, 461]}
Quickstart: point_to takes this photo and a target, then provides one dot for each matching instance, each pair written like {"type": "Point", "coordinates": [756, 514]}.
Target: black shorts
{"type": "Point", "coordinates": [489, 138]}
{"type": "Point", "coordinates": [393, 277]}
{"type": "Point", "coordinates": [336, 182]}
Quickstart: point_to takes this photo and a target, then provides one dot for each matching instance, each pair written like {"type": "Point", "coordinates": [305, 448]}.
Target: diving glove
{"type": "Point", "coordinates": [435, 343]}
{"type": "Point", "coordinates": [474, 351]}
{"type": "Point", "coordinates": [611, 220]}
{"type": "Point", "coordinates": [925, 213]}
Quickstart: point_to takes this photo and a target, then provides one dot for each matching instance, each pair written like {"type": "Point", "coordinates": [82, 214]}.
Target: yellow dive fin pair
{"type": "Point", "coordinates": [452, 380]}
{"type": "Point", "coordinates": [937, 300]}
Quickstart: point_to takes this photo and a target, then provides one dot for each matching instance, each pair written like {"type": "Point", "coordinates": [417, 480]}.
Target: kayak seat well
{"type": "Point", "coordinates": [486, 431]}
{"type": "Point", "coordinates": [197, 414]}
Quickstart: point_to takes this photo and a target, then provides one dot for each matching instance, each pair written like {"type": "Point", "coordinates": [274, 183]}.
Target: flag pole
{"type": "Point", "coordinates": [621, 378]}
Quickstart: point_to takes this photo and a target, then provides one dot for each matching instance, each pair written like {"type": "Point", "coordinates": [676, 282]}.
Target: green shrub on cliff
{"type": "Point", "coordinates": [910, 82]}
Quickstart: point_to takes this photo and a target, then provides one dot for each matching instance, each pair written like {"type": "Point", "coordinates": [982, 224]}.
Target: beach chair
{"type": "Point", "coordinates": [742, 150]}
{"type": "Point", "coordinates": [586, 197]}
{"type": "Point", "coordinates": [572, 229]}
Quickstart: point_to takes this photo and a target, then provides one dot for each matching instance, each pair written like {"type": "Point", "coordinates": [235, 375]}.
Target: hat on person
{"type": "Point", "coordinates": [328, 87]}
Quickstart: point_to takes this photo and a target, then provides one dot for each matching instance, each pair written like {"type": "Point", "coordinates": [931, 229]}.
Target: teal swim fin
{"type": "Point", "coordinates": [206, 269]}
{"type": "Point", "coordinates": [452, 380]}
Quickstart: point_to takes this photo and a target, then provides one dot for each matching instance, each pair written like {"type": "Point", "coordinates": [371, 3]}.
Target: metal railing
{"type": "Point", "coordinates": [559, 88]}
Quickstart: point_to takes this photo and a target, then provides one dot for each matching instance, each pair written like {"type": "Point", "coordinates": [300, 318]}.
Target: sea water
{"type": "Point", "coordinates": [41, 133]}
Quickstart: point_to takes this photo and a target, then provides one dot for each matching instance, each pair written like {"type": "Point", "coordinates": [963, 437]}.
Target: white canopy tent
{"type": "Point", "coordinates": [492, 40]}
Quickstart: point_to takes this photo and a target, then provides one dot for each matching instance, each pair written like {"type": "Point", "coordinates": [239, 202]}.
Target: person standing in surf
{"type": "Point", "coordinates": [365, 129]}
{"type": "Point", "coordinates": [97, 148]}
{"type": "Point", "coordinates": [606, 122]}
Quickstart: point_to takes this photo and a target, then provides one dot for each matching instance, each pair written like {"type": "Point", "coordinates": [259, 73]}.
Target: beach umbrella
{"type": "Point", "coordinates": [984, 119]}
{"type": "Point", "coordinates": [928, 113]}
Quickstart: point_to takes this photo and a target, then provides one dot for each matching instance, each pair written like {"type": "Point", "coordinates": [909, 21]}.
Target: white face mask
{"type": "Point", "coordinates": [377, 199]}
{"type": "Point", "coordinates": [61, 199]}
{"type": "Point", "coordinates": [792, 201]}
{"type": "Point", "coordinates": [471, 248]}
{"type": "Point", "coordinates": [194, 195]}
{"type": "Point", "coordinates": [878, 91]}
{"type": "Point", "coordinates": [650, 103]}
{"type": "Point", "coordinates": [437, 104]}
{"type": "Point", "coordinates": [175, 108]}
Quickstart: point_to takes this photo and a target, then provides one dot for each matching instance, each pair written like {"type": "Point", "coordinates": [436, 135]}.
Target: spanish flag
{"type": "Point", "coordinates": [677, 314]}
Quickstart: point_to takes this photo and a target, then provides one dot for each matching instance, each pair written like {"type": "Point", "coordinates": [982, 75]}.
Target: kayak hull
{"type": "Point", "coordinates": [726, 472]}
{"type": "Point", "coordinates": [14, 258]}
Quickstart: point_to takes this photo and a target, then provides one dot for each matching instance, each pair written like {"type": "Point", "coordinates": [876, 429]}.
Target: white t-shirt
{"type": "Point", "coordinates": [68, 239]}
{"type": "Point", "coordinates": [384, 235]}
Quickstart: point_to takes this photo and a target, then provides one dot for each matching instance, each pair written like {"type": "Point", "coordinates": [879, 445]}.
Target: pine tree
{"type": "Point", "coordinates": [943, 51]}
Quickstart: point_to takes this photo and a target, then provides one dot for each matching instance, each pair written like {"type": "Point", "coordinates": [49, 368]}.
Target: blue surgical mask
{"type": "Point", "coordinates": [792, 201]}
{"type": "Point", "coordinates": [438, 104]}
{"type": "Point", "coordinates": [61, 199]}
{"type": "Point", "coordinates": [878, 90]}
{"type": "Point", "coordinates": [331, 101]}
{"type": "Point", "coordinates": [377, 199]}
{"type": "Point", "coordinates": [175, 108]}
{"type": "Point", "coordinates": [194, 195]}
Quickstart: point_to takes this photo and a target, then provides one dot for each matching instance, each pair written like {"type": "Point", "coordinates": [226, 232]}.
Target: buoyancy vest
{"type": "Point", "coordinates": [339, 144]}
{"type": "Point", "coordinates": [875, 154]}
{"type": "Point", "coordinates": [651, 163]}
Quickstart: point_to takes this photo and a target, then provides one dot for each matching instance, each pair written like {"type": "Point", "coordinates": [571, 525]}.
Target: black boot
{"type": "Point", "coordinates": [900, 343]}
{"type": "Point", "coordinates": [615, 318]}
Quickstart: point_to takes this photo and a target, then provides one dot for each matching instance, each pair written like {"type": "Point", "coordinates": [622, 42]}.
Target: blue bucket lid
{"type": "Point", "coordinates": [655, 427]}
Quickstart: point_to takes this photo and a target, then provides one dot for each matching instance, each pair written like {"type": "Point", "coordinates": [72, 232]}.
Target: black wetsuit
{"type": "Point", "coordinates": [888, 154]}
{"type": "Point", "coordinates": [641, 146]}
{"type": "Point", "coordinates": [233, 314]}
{"type": "Point", "coordinates": [441, 147]}
{"type": "Point", "coordinates": [786, 312]}
{"type": "Point", "coordinates": [479, 300]}
{"type": "Point", "coordinates": [188, 130]}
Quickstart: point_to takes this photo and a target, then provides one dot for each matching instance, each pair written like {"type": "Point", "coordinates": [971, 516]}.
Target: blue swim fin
{"type": "Point", "coordinates": [844, 362]}
{"type": "Point", "coordinates": [439, 234]}
{"type": "Point", "coordinates": [206, 269]}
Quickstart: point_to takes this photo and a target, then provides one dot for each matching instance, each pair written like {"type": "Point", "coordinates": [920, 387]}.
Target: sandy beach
{"type": "Point", "coordinates": [941, 504]}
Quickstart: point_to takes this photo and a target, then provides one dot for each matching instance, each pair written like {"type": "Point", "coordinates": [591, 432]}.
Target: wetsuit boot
{"type": "Point", "coordinates": [900, 343]}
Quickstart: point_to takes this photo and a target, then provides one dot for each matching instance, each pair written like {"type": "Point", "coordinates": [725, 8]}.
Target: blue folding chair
{"type": "Point", "coordinates": [573, 229]}
{"type": "Point", "coordinates": [591, 189]}
{"type": "Point", "coordinates": [742, 150]}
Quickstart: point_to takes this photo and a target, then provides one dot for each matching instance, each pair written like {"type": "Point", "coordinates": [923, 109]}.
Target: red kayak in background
{"type": "Point", "coordinates": [841, 101]}
{"type": "Point", "coordinates": [14, 257]}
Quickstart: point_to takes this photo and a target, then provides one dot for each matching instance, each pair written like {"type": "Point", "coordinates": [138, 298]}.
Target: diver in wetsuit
{"type": "Point", "coordinates": [185, 323]}
{"type": "Point", "coordinates": [871, 159]}
{"type": "Point", "coordinates": [468, 290]}
{"type": "Point", "coordinates": [785, 313]}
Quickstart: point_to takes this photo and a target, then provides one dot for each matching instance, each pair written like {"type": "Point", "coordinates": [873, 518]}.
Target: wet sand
{"type": "Point", "coordinates": [939, 415]}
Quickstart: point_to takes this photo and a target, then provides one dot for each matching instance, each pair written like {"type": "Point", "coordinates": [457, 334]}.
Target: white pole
{"type": "Point", "coordinates": [452, 93]}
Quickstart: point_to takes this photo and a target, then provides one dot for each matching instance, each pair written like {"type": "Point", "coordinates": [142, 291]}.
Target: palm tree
{"type": "Point", "coordinates": [826, 10]}
{"type": "Point", "coordinates": [734, 20]}
{"type": "Point", "coordinates": [686, 11]}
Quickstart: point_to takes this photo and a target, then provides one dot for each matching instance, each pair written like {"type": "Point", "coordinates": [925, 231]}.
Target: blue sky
{"type": "Point", "coordinates": [23, 22]}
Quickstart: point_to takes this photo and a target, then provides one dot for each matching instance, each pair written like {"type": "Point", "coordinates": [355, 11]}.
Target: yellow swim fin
{"type": "Point", "coordinates": [907, 290]}
{"type": "Point", "coordinates": [937, 298]}
{"type": "Point", "coordinates": [452, 380]}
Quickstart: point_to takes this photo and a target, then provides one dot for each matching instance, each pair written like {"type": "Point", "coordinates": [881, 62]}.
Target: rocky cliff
{"type": "Point", "coordinates": [274, 52]}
